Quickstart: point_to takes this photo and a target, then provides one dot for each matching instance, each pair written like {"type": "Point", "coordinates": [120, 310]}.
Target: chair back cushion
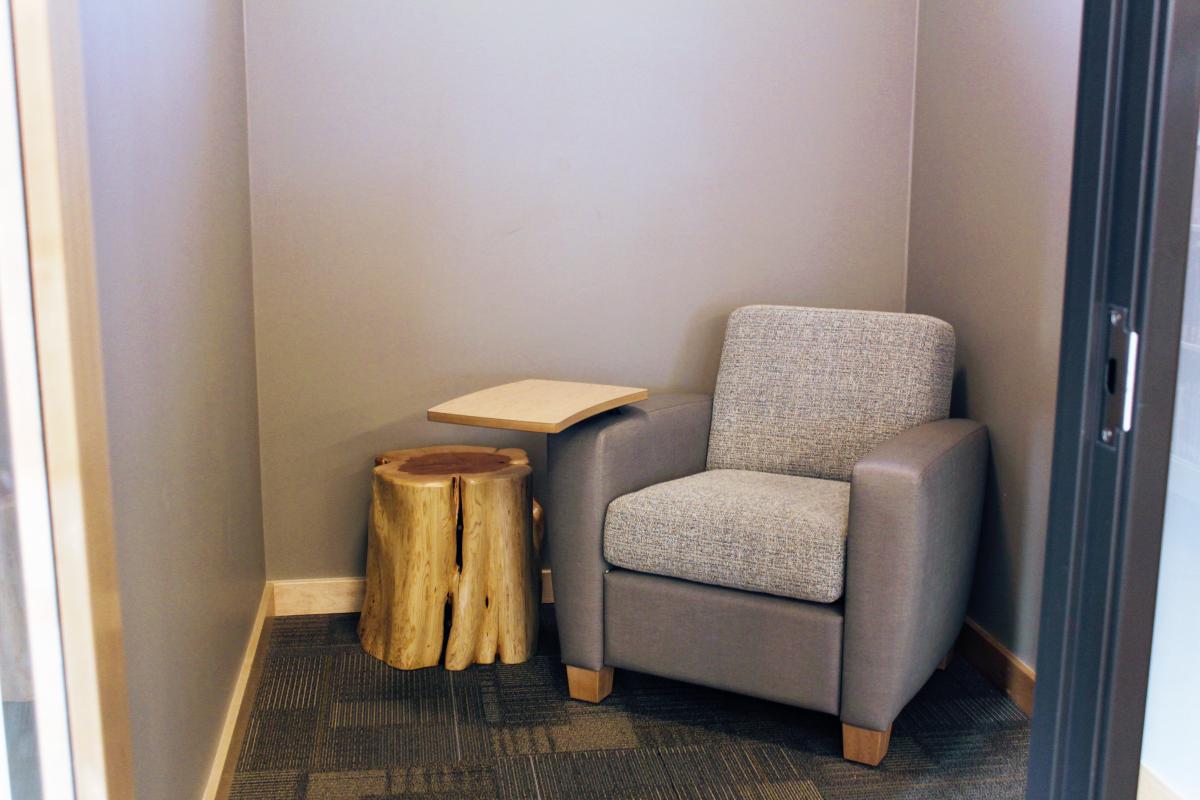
{"type": "Point", "coordinates": [810, 391]}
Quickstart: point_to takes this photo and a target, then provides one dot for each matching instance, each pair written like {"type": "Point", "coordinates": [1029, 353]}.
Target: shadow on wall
{"type": "Point", "coordinates": [995, 562]}
{"type": "Point", "coordinates": [701, 351]}
{"type": "Point", "coordinates": [351, 458]}
{"type": "Point", "coordinates": [347, 463]}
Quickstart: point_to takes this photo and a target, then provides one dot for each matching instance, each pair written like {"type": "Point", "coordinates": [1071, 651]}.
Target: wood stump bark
{"type": "Point", "coordinates": [455, 527]}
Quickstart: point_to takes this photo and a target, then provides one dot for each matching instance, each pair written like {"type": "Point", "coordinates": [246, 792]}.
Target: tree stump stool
{"type": "Point", "coordinates": [452, 524]}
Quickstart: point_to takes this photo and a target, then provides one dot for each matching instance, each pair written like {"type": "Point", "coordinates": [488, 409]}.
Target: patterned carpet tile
{"type": "Point", "coordinates": [329, 721]}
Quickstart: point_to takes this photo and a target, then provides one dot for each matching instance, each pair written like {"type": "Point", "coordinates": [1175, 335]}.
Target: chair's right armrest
{"type": "Point", "coordinates": [591, 464]}
{"type": "Point", "coordinates": [915, 507]}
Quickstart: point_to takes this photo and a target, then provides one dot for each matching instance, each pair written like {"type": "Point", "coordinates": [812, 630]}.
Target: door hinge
{"type": "Point", "coordinates": [1120, 375]}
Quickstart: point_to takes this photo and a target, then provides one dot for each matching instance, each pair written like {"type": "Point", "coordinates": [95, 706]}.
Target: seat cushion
{"type": "Point", "coordinates": [757, 531]}
{"type": "Point", "coordinates": [810, 391]}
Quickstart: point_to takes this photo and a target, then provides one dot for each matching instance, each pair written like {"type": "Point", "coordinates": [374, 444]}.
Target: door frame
{"type": "Point", "coordinates": [51, 108]}
{"type": "Point", "coordinates": [1135, 147]}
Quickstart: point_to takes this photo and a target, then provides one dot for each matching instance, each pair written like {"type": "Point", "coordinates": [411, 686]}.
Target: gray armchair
{"type": "Point", "coordinates": [807, 535]}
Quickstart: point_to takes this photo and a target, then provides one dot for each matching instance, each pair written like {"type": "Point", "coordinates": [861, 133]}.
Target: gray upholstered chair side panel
{"type": "Point", "coordinates": [771, 647]}
{"type": "Point", "coordinates": [810, 391]}
{"type": "Point", "coordinates": [915, 505]}
{"type": "Point", "coordinates": [589, 465]}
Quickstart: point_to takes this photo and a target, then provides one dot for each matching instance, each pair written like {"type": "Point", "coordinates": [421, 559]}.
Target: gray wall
{"type": "Point", "coordinates": [451, 195]}
{"type": "Point", "coordinates": [993, 131]}
{"type": "Point", "coordinates": [166, 108]}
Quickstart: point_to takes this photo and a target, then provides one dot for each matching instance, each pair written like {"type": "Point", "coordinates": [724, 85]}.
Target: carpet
{"type": "Point", "coordinates": [329, 722]}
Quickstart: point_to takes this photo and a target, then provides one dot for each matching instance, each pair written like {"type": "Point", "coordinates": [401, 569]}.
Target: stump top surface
{"type": "Point", "coordinates": [460, 463]}
{"type": "Point", "coordinates": [449, 460]}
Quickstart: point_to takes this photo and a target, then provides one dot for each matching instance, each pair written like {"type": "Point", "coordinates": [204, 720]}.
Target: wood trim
{"type": "Point", "coordinates": [237, 715]}
{"type": "Point", "coordinates": [998, 664]}
{"type": "Point", "coordinates": [865, 746]}
{"type": "Point", "coordinates": [318, 596]}
{"type": "Point", "coordinates": [589, 685]}
{"type": "Point", "coordinates": [341, 595]}
{"type": "Point", "coordinates": [52, 110]}
{"type": "Point", "coordinates": [1152, 787]}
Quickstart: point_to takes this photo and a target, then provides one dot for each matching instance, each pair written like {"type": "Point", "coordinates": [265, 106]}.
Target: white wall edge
{"type": "Point", "coordinates": [1152, 787]}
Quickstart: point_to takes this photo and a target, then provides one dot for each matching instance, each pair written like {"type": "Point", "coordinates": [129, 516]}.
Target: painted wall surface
{"type": "Point", "coordinates": [447, 196]}
{"type": "Point", "coordinates": [992, 150]}
{"type": "Point", "coordinates": [167, 135]}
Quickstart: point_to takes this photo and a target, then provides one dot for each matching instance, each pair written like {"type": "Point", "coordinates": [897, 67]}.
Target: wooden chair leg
{"type": "Point", "coordinates": [865, 746]}
{"type": "Point", "coordinates": [944, 664]}
{"type": "Point", "coordinates": [589, 685]}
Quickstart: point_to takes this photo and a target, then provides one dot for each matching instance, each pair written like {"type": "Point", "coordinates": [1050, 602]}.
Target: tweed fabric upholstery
{"type": "Point", "coordinates": [810, 391]}
{"type": "Point", "coordinates": [761, 532]}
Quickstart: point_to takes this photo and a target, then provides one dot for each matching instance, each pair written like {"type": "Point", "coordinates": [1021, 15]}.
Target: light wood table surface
{"type": "Point", "coordinates": [536, 405]}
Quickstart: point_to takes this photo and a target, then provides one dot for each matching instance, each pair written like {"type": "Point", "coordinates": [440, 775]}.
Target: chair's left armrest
{"type": "Point", "coordinates": [915, 506]}
{"type": "Point", "coordinates": [591, 464]}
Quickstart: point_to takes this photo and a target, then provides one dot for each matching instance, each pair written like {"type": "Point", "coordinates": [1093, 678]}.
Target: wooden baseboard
{"type": "Point", "coordinates": [341, 595]}
{"type": "Point", "coordinates": [998, 664]}
{"type": "Point", "coordinates": [1152, 787]}
{"type": "Point", "coordinates": [318, 596]}
{"type": "Point", "coordinates": [238, 712]}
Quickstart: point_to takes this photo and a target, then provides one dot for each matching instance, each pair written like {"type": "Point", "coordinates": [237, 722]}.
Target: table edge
{"type": "Point", "coordinates": [537, 427]}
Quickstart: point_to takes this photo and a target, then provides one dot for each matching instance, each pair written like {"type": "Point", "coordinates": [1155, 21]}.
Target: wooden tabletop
{"type": "Point", "coordinates": [534, 405]}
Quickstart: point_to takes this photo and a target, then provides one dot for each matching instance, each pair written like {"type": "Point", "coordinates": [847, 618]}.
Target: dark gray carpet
{"type": "Point", "coordinates": [329, 721]}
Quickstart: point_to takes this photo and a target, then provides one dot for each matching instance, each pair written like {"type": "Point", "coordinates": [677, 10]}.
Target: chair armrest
{"type": "Point", "coordinates": [915, 505]}
{"type": "Point", "coordinates": [590, 465]}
